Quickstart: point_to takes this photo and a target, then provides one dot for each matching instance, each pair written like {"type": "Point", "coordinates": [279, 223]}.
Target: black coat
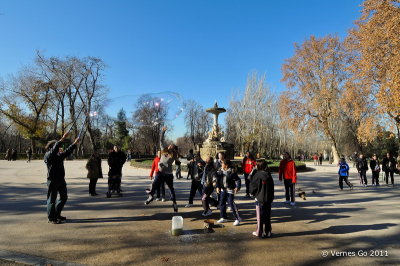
{"type": "Point", "coordinates": [228, 180]}
{"type": "Point", "coordinates": [388, 164]}
{"type": "Point", "coordinates": [373, 165]}
{"type": "Point", "coordinates": [55, 162]}
{"type": "Point", "coordinates": [115, 161]}
{"type": "Point", "coordinates": [93, 166]}
{"type": "Point", "coordinates": [362, 164]}
{"type": "Point", "coordinates": [262, 187]}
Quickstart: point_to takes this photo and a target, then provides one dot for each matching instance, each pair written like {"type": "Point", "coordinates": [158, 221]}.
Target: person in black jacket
{"type": "Point", "coordinates": [228, 184]}
{"type": "Point", "coordinates": [54, 159]}
{"type": "Point", "coordinates": [362, 168]}
{"type": "Point", "coordinates": [388, 166]}
{"type": "Point", "coordinates": [198, 170]}
{"type": "Point", "coordinates": [116, 159]}
{"type": "Point", "coordinates": [262, 188]}
{"type": "Point", "coordinates": [376, 169]}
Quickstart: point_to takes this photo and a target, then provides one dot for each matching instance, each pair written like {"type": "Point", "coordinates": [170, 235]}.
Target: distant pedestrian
{"type": "Point", "coordinates": [376, 169]}
{"type": "Point", "coordinates": [389, 166]}
{"type": "Point", "coordinates": [129, 155]}
{"type": "Point", "coordinates": [190, 165]}
{"type": "Point", "coordinates": [262, 188]}
{"type": "Point", "coordinates": [14, 154]}
{"type": "Point", "coordinates": [362, 168]}
{"type": "Point", "coordinates": [54, 159]}
{"type": "Point", "coordinates": [288, 173]}
{"type": "Point", "coordinates": [320, 158]}
{"type": "Point", "coordinates": [29, 154]}
{"type": "Point", "coordinates": [95, 172]}
{"type": "Point", "coordinates": [8, 154]}
{"type": "Point", "coordinates": [315, 158]}
{"type": "Point", "coordinates": [178, 170]}
{"type": "Point", "coordinates": [355, 159]}
{"type": "Point", "coordinates": [248, 164]}
{"type": "Point", "coordinates": [344, 173]}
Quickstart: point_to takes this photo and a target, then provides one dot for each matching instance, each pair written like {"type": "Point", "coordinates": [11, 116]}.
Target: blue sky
{"type": "Point", "coordinates": [201, 49]}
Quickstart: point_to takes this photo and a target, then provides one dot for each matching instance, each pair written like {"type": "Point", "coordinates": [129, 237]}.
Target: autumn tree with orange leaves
{"type": "Point", "coordinates": [376, 38]}
{"type": "Point", "coordinates": [321, 95]}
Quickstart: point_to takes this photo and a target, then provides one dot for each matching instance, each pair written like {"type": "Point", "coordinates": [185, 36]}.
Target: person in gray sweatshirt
{"type": "Point", "coordinates": [168, 157]}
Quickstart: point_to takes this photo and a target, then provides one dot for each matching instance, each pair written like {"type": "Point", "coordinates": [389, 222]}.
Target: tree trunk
{"type": "Point", "coordinates": [335, 154]}
{"type": "Point", "coordinates": [33, 145]}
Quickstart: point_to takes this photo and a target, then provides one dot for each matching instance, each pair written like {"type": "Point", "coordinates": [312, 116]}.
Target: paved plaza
{"type": "Point", "coordinates": [331, 227]}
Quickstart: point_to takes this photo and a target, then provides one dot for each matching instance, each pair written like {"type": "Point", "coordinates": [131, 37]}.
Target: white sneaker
{"type": "Point", "coordinates": [149, 199]}
{"type": "Point", "coordinates": [286, 201]}
{"type": "Point", "coordinates": [293, 203]}
{"type": "Point", "coordinates": [207, 213]}
{"type": "Point", "coordinates": [188, 205]}
{"type": "Point", "coordinates": [158, 199]}
{"type": "Point", "coordinates": [237, 222]}
{"type": "Point", "coordinates": [229, 209]}
{"type": "Point", "coordinates": [222, 220]}
{"type": "Point", "coordinates": [163, 200]}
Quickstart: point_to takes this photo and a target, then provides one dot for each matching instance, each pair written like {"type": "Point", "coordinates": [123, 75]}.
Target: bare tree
{"type": "Point", "coordinates": [197, 121]}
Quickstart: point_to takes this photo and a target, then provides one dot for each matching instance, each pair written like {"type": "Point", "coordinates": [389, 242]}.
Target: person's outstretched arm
{"type": "Point", "coordinates": [70, 149]}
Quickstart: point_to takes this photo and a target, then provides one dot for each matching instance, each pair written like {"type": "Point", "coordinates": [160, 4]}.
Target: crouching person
{"type": "Point", "coordinates": [262, 188]}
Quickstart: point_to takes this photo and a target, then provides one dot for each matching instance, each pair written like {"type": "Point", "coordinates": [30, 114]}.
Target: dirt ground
{"type": "Point", "coordinates": [358, 227]}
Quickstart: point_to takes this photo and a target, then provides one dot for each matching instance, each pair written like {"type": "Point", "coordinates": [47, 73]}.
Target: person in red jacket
{"type": "Point", "coordinates": [248, 164]}
{"type": "Point", "coordinates": [287, 172]}
{"type": "Point", "coordinates": [154, 170]}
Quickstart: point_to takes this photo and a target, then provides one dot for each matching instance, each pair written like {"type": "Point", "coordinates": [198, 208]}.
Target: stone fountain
{"type": "Point", "coordinates": [216, 141]}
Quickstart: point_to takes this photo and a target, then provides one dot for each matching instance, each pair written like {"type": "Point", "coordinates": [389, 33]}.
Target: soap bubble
{"type": "Point", "coordinates": [149, 109]}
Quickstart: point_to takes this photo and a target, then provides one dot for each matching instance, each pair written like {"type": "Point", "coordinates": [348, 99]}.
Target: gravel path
{"type": "Point", "coordinates": [122, 231]}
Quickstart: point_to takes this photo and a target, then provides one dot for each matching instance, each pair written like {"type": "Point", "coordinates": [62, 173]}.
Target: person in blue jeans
{"type": "Point", "coordinates": [228, 184]}
{"type": "Point", "coordinates": [54, 159]}
{"type": "Point", "coordinates": [344, 173]}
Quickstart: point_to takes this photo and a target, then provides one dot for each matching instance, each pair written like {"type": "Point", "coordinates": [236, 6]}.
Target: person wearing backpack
{"type": "Point", "coordinates": [376, 169]}
{"type": "Point", "coordinates": [344, 174]}
{"type": "Point", "coordinates": [262, 188]}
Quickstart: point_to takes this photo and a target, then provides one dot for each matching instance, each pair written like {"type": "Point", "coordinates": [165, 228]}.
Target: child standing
{"type": "Point", "coordinates": [228, 184]}
{"type": "Point", "coordinates": [262, 188]}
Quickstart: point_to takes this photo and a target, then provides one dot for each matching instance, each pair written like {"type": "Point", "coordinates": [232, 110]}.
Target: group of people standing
{"type": "Point", "coordinates": [208, 177]}
{"type": "Point", "coordinates": [317, 158]}
{"type": "Point", "coordinates": [389, 166]}
{"type": "Point", "coordinates": [12, 154]}
{"type": "Point", "coordinates": [220, 177]}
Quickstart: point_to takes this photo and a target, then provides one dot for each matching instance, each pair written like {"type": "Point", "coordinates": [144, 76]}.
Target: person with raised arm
{"type": "Point", "coordinates": [168, 156]}
{"type": "Point", "coordinates": [54, 159]}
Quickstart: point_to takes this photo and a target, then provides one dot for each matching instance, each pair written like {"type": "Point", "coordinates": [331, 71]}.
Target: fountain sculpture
{"type": "Point", "coordinates": [216, 141]}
